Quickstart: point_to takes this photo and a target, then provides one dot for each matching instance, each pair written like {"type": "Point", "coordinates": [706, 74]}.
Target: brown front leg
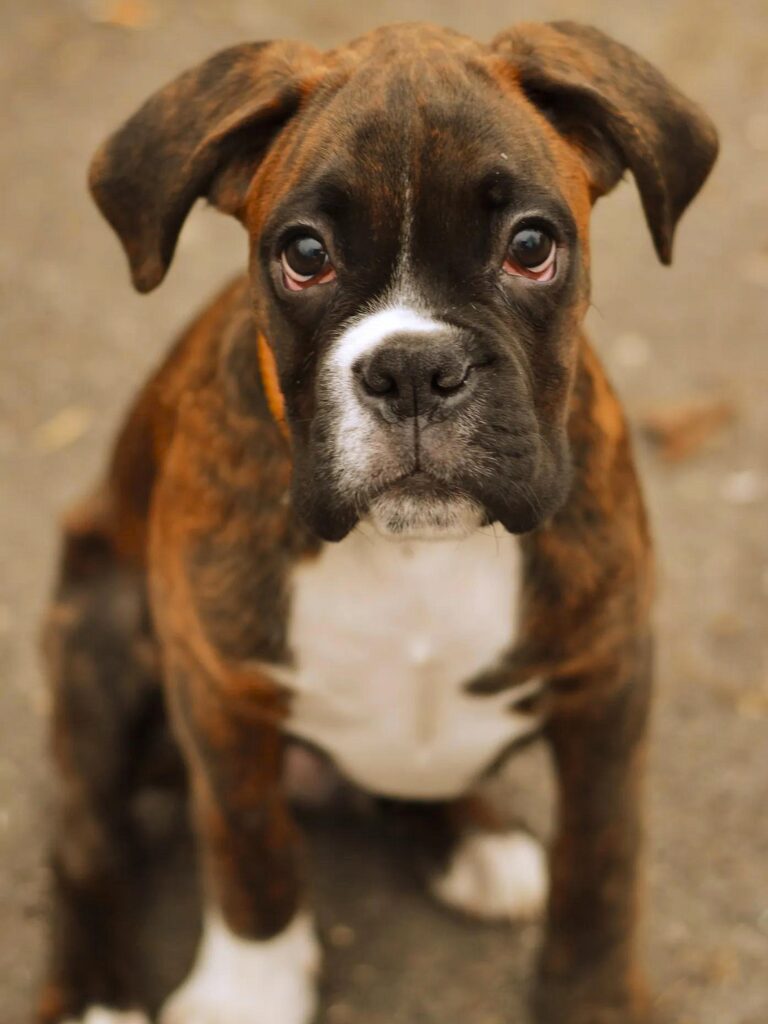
{"type": "Point", "coordinates": [588, 972]}
{"type": "Point", "coordinates": [258, 954]}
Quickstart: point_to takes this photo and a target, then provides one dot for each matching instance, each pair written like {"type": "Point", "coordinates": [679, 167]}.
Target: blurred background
{"type": "Point", "coordinates": [687, 348]}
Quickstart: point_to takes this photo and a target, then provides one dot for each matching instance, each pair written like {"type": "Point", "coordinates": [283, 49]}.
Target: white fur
{"type": "Point", "coordinates": [101, 1015]}
{"type": "Point", "coordinates": [414, 518]}
{"type": "Point", "coordinates": [403, 269]}
{"type": "Point", "coordinates": [495, 876]}
{"type": "Point", "coordinates": [366, 333]}
{"type": "Point", "coordinates": [358, 453]}
{"type": "Point", "coordinates": [239, 981]}
{"type": "Point", "coordinates": [385, 635]}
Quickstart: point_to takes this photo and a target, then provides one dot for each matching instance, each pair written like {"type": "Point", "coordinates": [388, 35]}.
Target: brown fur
{"type": "Point", "coordinates": [194, 520]}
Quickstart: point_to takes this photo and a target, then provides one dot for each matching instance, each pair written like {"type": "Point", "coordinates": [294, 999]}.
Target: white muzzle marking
{"type": "Point", "coordinates": [358, 451]}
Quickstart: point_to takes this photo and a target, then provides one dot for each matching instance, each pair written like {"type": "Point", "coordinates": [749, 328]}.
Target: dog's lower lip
{"type": "Point", "coordinates": [415, 483]}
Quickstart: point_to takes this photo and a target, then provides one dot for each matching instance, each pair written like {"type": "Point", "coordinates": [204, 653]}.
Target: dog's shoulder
{"type": "Point", "coordinates": [196, 372]}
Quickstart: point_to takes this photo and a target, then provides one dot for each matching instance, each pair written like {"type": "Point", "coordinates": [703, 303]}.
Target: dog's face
{"type": "Point", "coordinates": [419, 259]}
{"type": "Point", "coordinates": [421, 277]}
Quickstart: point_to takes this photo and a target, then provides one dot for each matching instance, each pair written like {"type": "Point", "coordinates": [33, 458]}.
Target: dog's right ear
{"type": "Point", "coordinates": [203, 134]}
{"type": "Point", "coordinates": [618, 112]}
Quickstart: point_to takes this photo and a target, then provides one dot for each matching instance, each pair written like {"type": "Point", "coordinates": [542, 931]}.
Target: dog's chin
{"type": "Point", "coordinates": [417, 506]}
{"type": "Point", "coordinates": [402, 516]}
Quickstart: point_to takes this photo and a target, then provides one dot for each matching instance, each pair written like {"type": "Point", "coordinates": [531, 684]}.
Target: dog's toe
{"type": "Point", "coordinates": [495, 876]}
{"type": "Point", "coordinates": [103, 1015]}
{"type": "Point", "coordinates": [286, 1002]}
{"type": "Point", "coordinates": [241, 981]}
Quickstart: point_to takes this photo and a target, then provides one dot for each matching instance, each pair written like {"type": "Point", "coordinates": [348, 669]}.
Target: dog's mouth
{"type": "Point", "coordinates": [418, 506]}
{"type": "Point", "coordinates": [416, 483]}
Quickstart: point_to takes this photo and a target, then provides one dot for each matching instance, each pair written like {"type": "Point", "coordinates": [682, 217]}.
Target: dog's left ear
{"type": "Point", "coordinates": [619, 112]}
{"type": "Point", "coordinates": [203, 134]}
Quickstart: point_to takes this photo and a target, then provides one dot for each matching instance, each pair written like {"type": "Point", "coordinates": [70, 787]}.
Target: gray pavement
{"type": "Point", "coordinates": [75, 342]}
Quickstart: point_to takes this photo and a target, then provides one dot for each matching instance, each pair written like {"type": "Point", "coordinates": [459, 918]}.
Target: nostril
{"type": "Point", "coordinates": [448, 382]}
{"type": "Point", "coordinates": [380, 384]}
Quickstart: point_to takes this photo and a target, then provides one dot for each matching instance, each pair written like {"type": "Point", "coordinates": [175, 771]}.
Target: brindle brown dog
{"type": "Point", "coordinates": [379, 499]}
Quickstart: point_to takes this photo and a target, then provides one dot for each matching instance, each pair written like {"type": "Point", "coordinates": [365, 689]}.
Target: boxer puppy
{"type": "Point", "coordinates": [379, 499]}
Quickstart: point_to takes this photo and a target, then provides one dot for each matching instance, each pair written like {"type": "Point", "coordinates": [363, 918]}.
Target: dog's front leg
{"type": "Point", "coordinates": [588, 971]}
{"type": "Point", "coordinates": [258, 955]}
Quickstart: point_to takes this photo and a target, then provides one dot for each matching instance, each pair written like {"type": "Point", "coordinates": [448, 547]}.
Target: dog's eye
{"type": "Point", "coordinates": [531, 253]}
{"type": "Point", "coordinates": [305, 262]}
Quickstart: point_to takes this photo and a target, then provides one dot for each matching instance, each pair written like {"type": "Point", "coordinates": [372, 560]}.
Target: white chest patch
{"type": "Point", "coordinates": [384, 636]}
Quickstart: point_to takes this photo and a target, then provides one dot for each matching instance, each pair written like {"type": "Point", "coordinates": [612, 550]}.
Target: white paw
{"type": "Point", "coordinates": [495, 875]}
{"type": "Point", "coordinates": [101, 1015]}
{"type": "Point", "coordinates": [240, 981]}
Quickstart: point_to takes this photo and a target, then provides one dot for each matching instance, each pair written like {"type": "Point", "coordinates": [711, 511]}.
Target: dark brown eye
{"type": "Point", "coordinates": [305, 262]}
{"type": "Point", "coordinates": [531, 253]}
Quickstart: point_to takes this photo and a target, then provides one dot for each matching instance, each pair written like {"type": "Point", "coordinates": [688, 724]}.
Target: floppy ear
{"type": "Point", "coordinates": [201, 135]}
{"type": "Point", "coordinates": [620, 112]}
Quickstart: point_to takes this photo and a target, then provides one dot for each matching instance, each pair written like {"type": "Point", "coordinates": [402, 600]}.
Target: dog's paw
{"type": "Point", "coordinates": [237, 981]}
{"type": "Point", "coordinates": [103, 1015]}
{"type": "Point", "coordinates": [495, 876]}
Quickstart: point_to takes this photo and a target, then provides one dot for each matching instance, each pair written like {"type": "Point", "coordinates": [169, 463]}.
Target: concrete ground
{"type": "Point", "coordinates": [76, 342]}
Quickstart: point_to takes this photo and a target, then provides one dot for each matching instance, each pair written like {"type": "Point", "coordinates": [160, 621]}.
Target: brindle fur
{"type": "Point", "coordinates": [197, 516]}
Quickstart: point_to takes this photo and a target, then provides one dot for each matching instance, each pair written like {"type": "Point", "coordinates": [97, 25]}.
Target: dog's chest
{"type": "Point", "coordinates": [384, 637]}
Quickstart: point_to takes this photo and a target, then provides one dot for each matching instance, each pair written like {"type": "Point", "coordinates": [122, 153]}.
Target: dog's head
{"type": "Point", "coordinates": [417, 206]}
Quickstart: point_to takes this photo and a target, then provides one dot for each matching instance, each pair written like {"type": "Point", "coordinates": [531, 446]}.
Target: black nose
{"type": "Point", "coordinates": [414, 376]}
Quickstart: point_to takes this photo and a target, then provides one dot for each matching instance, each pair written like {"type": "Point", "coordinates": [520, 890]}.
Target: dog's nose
{"type": "Point", "coordinates": [412, 376]}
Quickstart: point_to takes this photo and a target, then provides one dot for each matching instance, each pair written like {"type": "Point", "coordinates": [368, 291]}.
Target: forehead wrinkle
{"type": "Point", "coordinates": [297, 147]}
{"type": "Point", "coordinates": [503, 143]}
{"type": "Point", "coordinates": [419, 141]}
{"type": "Point", "coordinates": [380, 122]}
{"type": "Point", "coordinates": [428, 118]}
{"type": "Point", "coordinates": [571, 173]}
{"type": "Point", "coordinates": [326, 193]}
